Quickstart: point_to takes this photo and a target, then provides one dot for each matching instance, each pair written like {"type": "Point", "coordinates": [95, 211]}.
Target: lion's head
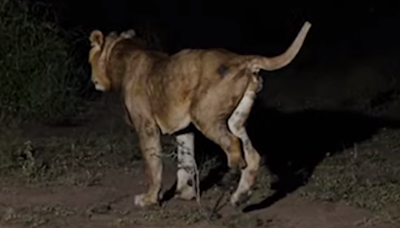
{"type": "Point", "coordinates": [101, 47]}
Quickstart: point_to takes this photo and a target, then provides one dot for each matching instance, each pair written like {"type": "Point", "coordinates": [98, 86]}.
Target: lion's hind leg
{"type": "Point", "coordinates": [236, 126]}
{"type": "Point", "coordinates": [219, 133]}
{"type": "Point", "coordinates": [210, 114]}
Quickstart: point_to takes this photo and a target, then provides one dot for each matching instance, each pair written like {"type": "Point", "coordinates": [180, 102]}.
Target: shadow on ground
{"type": "Point", "coordinates": [293, 144]}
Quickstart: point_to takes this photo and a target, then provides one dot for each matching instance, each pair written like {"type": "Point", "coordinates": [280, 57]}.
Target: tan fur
{"type": "Point", "coordinates": [164, 94]}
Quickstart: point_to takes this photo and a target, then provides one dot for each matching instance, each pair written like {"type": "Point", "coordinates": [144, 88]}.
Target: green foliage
{"type": "Point", "coordinates": [38, 76]}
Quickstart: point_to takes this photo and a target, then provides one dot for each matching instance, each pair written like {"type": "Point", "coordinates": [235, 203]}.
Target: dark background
{"type": "Point", "coordinates": [251, 26]}
{"type": "Point", "coordinates": [347, 38]}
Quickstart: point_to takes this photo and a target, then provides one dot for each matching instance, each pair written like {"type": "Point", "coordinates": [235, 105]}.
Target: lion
{"type": "Point", "coordinates": [211, 89]}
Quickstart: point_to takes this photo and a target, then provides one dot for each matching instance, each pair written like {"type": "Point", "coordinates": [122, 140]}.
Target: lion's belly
{"type": "Point", "coordinates": [171, 109]}
{"type": "Point", "coordinates": [173, 121]}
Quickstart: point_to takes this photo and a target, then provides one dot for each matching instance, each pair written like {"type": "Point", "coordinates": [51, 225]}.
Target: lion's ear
{"type": "Point", "coordinates": [128, 34]}
{"type": "Point", "coordinates": [96, 38]}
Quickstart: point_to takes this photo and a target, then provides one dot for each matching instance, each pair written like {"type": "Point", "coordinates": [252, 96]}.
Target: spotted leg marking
{"type": "Point", "coordinates": [252, 157]}
{"type": "Point", "coordinates": [186, 182]}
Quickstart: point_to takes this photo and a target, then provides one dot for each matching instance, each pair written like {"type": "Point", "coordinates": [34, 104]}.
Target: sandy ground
{"type": "Point", "coordinates": [109, 203]}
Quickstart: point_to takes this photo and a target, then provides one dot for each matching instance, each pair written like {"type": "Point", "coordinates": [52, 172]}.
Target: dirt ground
{"type": "Point", "coordinates": [86, 176]}
{"type": "Point", "coordinates": [110, 204]}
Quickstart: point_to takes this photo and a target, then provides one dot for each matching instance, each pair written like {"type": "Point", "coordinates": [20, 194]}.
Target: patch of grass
{"type": "Point", "coordinates": [77, 159]}
{"type": "Point", "coordinates": [39, 76]}
{"type": "Point", "coordinates": [366, 176]}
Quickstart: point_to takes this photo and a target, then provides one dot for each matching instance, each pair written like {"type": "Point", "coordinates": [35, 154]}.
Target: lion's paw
{"type": "Point", "coordinates": [185, 193]}
{"type": "Point", "coordinates": [144, 200]}
{"type": "Point", "coordinates": [239, 198]}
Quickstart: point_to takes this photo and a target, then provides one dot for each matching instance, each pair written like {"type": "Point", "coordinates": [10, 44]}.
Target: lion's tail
{"type": "Point", "coordinates": [274, 63]}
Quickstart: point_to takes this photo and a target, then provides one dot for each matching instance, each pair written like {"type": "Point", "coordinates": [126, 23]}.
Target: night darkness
{"type": "Point", "coordinates": [245, 27]}
{"type": "Point", "coordinates": [338, 95]}
{"type": "Point", "coordinates": [343, 34]}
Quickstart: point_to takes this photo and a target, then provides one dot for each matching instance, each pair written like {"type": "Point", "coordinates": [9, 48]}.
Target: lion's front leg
{"type": "Point", "coordinates": [150, 145]}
